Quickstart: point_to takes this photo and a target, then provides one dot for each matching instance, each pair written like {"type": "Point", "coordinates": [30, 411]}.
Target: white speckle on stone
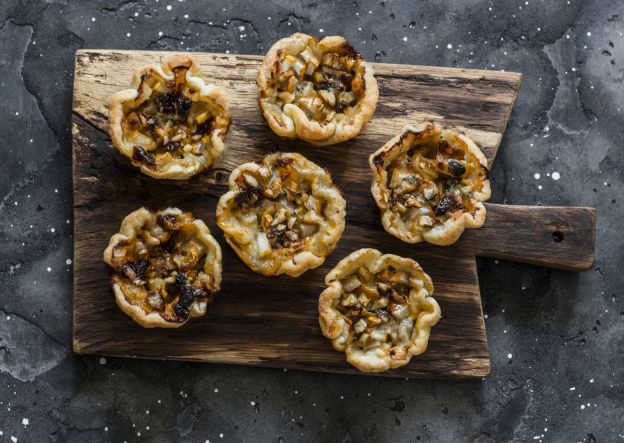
{"type": "Point", "coordinates": [216, 390]}
{"type": "Point", "coordinates": [105, 428]}
{"type": "Point", "coordinates": [92, 19]}
{"type": "Point", "coordinates": [252, 403]}
{"type": "Point", "coordinates": [221, 435]}
{"type": "Point", "coordinates": [68, 261]}
{"type": "Point", "coordinates": [160, 34]}
{"type": "Point", "coordinates": [168, 7]}
{"type": "Point", "coordinates": [25, 421]}
{"type": "Point", "coordinates": [241, 28]}
{"type": "Point", "coordinates": [404, 39]}
{"type": "Point", "coordinates": [49, 269]}
{"type": "Point", "coordinates": [537, 176]}
{"type": "Point", "coordinates": [13, 439]}
{"type": "Point", "coordinates": [591, 380]}
{"type": "Point", "coordinates": [509, 356]}
{"type": "Point", "coordinates": [539, 187]}
{"type": "Point", "coordinates": [556, 176]}
{"type": "Point", "coordinates": [52, 230]}
{"type": "Point", "coordinates": [321, 30]}
{"type": "Point", "coordinates": [128, 34]}
{"type": "Point", "coordinates": [582, 406]}
{"type": "Point", "coordinates": [588, 34]}
{"type": "Point", "coordinates": [449, 46]}
{"type": "Point", "coordinates": [102, 361]}
{"type": "Point", "coordinates": [572, 388]}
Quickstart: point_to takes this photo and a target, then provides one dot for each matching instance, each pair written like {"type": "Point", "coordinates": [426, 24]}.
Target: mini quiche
{"type": "Point", "coordinates": [378, 309]}
{"type": "Point", "coordinates": [318, 91]}
{"type": "Point", "coordinates": [170, 124]}
{"type": "Point", "coordinates": [429, 183]}
{"type": "Point", "coordinates": [282, 215]}
{"type": "Point", "coordinates": [166, 267]}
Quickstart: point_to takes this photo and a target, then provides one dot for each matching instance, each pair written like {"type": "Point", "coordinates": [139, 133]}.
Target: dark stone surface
{"type": "Point", "coordinates": [556, 338]}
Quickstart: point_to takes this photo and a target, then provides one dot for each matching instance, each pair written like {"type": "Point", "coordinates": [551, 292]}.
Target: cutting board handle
{"type": "Point", "coordinates": [556, 237]}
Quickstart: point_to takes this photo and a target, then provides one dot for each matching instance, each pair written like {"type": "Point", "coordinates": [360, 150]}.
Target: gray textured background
{"type": "Point", "coordinates": [556, 338]}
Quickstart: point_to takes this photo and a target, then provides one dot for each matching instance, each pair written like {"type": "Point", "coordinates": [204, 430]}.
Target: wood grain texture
{"type": "Point", "coordinates": [273, 321]}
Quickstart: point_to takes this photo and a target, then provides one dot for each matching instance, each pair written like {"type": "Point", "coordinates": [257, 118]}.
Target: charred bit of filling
{"type": "Point", "coordinates": [431, 183]}
{"type": "Point", "coordinates": [170, 123]}
{"type": "Point", "coordinates": [323, 85]}
{"type": "Point", "coordinates": [162, 270]}
{"type": "Point", "coordinates": [376, 308]}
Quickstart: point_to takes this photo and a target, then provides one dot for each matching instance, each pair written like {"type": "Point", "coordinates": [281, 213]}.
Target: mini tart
{"type": "Point", "coordinates": [282, 215]}
{"type": "Point", "coordinates": [170, 124]}
{"type": "Point", "coordinates": [166, 267]}
{"type": "Point", "coordinates": [318, 91]}
{"type": "Point", "coordinates": [378, 309]}
{"type": "Point", "coordinates": [429, 183]}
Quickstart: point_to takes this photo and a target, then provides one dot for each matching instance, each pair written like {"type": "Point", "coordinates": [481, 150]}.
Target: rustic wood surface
{"type": "Point", "coordinates": [273, 321]}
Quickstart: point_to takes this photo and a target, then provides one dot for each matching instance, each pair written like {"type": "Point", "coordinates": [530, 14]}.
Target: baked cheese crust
{"type": "Point", "coordinates": [378, 309]}
{"type": "Point", "coordinates": [429, 183]}
{"type": "Point", "coordinates": [170, 124]}
{"type": "Point", "coordinates": [282, 215]}
{"type": "Point", "coordinates": [318, 91]}
{"type": "Point", "coordinates": [166, 267]}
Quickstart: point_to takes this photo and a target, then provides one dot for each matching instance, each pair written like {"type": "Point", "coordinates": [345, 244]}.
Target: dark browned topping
{"type": "Point", "coordinates": [141, 155]}
{"type": "Point", "coordinates": [349, 51]}
{"type": "Point", "coordinates": [168, 221]}
{"type": "Point", "coordinates": [282, 162]}
{"type": "Point", "coordinates": [448, 203]}
{"type": "Point", "coordinates": [456, 168]}
{"type": "Point", "coordinates": [248, 196]}
{"type": "Point", "coordinates": [172, 146]}
{"type": "Point", "coordinates": [378, 160]}
{"type": "Point", "coordinates": [340, 107]}
{"type": "Point", "coordinates": [205, 127]}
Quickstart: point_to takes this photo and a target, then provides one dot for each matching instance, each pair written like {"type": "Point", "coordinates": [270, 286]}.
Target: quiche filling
{"type": "Point", "coordinates": [282, 214]}
{"type": "Point", "coordinates": [282, 206]}
{"type": "Point", "coordinates": [326, 85]}
{"type": "Point", "coordinates": [375, 306]}
{"type": "Point", "coordinates": [162, 270]}
{"type": "Point", "coordinates": [173, 123]}
{"type": "Point", "coordinates": [433, 179]}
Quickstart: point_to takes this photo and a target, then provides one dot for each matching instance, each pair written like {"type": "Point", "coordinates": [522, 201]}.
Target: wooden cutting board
{"type": "Point", "coordinates": [273, 321]}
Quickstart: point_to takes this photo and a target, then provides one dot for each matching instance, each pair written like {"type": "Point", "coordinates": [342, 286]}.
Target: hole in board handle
{"type": "Point", "coordinates": [558, 236]}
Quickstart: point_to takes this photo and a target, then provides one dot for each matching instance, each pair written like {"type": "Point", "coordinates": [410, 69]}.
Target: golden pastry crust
{"type": "Point", "coordinates": [429, 183]}
{"type": "Point", "coordinates": [378, 309]}
{"type": "Point", "coordinates": [170, 124]}
{"type": "Point", "coordinates": [282, 215]}
{"type": "Point", "coordinates": [318, 91]}
{"type": "Point", "coordinates": [166, 267]}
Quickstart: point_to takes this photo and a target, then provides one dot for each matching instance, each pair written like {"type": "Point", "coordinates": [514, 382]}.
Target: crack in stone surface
{"type": "Point", "coordinates": [28, 351]}
{"type": "Point", "coordinates": [566, 111]}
